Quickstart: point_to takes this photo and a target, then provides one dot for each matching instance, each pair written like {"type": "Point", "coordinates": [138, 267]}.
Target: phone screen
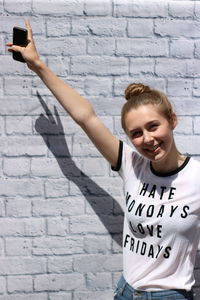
{"type": "Point", "coordinates": [20, 39]}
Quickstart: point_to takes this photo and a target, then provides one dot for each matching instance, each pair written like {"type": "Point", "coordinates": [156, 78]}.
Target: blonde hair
{"type": "Point", "coordinates": [138, 94]}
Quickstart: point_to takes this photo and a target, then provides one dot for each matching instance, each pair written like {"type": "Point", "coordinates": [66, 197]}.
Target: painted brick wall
{"type": "Point", "coordinates": [60, 204]}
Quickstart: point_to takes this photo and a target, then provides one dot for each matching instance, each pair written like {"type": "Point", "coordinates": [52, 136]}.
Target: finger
{"type": "Point", "coordinates": [57, 117]}
{"type": "Point", "coordinates": [9, 44]}
{"type": "Point", "coordinates": [28, 27]}
{"type": "Point", "coordinates": [17, 48]}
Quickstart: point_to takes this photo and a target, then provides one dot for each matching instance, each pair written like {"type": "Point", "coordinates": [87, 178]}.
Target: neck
{"type": "Point", "coordinates": [169, 164]}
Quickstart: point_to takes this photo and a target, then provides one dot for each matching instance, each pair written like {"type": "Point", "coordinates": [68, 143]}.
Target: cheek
{"type": "Point", "coordinates": [136, 142]}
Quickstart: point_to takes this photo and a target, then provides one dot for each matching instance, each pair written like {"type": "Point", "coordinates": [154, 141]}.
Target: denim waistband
{"type": "Point", "coordinates": [124, 288]}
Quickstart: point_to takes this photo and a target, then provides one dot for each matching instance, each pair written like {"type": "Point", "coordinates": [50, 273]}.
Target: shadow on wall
{"type": "Point", "coordinates": [101, 202]}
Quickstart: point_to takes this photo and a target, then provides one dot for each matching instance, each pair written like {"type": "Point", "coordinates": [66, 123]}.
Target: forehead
{"type": "Point", "coordinates": [140, 116]}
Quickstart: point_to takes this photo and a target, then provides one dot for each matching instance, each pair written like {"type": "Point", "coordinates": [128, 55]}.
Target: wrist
{"type": "Point", "coordinates": [36, 65]}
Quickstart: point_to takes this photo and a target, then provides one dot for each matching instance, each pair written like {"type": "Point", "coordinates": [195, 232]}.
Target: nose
{"type": "Point", "coordinates": [147, 138]}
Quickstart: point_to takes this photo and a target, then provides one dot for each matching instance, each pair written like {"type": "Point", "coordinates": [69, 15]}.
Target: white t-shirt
{"type": "Point", "coordinates": [161, 224]}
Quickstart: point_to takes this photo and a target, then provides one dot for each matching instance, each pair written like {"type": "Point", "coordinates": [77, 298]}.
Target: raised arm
{"type": "Point", "coordinates": [77, 107]}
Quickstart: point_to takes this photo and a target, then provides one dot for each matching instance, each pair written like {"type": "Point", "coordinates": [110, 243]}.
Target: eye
{"type": "Point", "coordinates": [135, 134]}
{"type": "Point", "coordinates": [153, 126]}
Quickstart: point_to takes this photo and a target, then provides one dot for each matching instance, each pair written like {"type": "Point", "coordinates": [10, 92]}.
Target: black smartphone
{"type": "Point", "coordinates": [19, 39]}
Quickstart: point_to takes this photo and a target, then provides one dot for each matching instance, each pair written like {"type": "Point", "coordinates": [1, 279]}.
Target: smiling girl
{"type": "Point", "coordinates": [162, 192]}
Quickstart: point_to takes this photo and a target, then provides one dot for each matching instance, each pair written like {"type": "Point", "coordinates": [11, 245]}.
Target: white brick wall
{"type": "Point", "coordinates": [60, 204]}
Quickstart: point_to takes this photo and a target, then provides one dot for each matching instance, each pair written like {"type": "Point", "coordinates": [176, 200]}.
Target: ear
{"type": "Point", "coordinates": [173, 121]}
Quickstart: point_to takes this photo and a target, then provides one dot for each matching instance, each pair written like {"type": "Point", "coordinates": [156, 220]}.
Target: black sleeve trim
{"type": "Point", "coordinates": [119, 160]}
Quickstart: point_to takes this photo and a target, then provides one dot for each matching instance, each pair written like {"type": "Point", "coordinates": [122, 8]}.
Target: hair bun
{"type": "Point", "coordinates": [135, 89]}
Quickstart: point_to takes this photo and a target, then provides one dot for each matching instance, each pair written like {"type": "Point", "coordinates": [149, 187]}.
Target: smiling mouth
{"type": "Point", "coordinates": [153, 149]}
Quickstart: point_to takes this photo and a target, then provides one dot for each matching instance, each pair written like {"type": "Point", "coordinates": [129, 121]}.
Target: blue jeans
{"type": "Point", "coordinates": [125, 292]}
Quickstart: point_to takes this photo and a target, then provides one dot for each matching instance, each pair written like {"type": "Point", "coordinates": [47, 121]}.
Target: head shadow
{"type": "Point", "coordinates": [110, 213]}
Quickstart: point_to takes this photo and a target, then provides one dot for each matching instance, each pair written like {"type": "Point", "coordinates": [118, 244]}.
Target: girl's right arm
{"type": "Point", "coordinates": [77, 107]}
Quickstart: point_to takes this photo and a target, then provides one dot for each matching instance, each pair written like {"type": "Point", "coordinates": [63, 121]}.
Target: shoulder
{"type": "Point", "coordinates": [128, 157]}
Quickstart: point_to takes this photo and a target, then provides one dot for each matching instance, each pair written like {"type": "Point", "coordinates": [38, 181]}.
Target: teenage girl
{"type": "Point", "coordinates": [162, 191]}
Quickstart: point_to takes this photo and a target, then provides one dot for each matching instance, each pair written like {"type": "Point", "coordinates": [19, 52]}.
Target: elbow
{"type": "Point", "coordinates": [83, 119]}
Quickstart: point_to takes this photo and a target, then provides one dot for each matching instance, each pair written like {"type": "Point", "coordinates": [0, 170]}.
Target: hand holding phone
{"type": "Point", "coordinates": [19, 39]}
{"type": "Point", "coordinates": [23, 47]}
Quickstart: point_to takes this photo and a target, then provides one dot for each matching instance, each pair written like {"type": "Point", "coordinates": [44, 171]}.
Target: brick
{"type": "Point", "coordinates": [16, 166]}
{"type": "Point", "coordinates": [90, 295]}
{"type": "Point", "coordinates": [35, 296]}
{"type": "Point", "coordinates": [2, 210]}
{"type": "Point", "coordinates": [61, 27]}
{"type": "Point", "coordinates": [188, 144]}
{"type": "Point", "coordinates": [197, 50]}
{"type": "Point", "coordinates": [18, 207]}
{"type": "Point", "coordinates": [18, 246]}
{"type": "Point", "coordinates": [99, 65]}
{"type": "Point", "coordinates": [45, 167]}
{"type": "Point", "coordinates": [197, 9]}
{"type": "Point", "coordinates": [60, 66]}
{"type": "Point", "coordinates": [19, 146]}
{"type": "Point", "coordinates": [23, 266]}
{"type": "Point", "coordinates": [196, 89]}
{"type": "Point", "coordinates": [197, 125]}
{"type": "Point", "coordinates": [82, 149]}
{"type": "Point", "coordinates": [58, 226]}
{"type": "Point", "coordinates": [89, 224]}
{"type": "Point", "coordinates": [2, 285]}
{"type": "Point", "coordinates": [20, 284]}
{"type": "Point", "coordinates": [6, 24]}
{"type": "Point", "coordinates": [2, 126]}
{"type": "Point", "coordinates": [183, 106]}
{"type": "Point", "coordinates": [59, 265]}
{"type": "Point", "coordinates": [95, 166]}
{"type": "Point", "coordinates": [2, 47]}
{"type": "Point", "coordinates": [60, 296]}
{"type": "Point", "coordinates": [95, 86]}
{"type": "Point", "coordinates": [177, 28]}
{"type": "Point", "coordinates": [56, 188]}
{"type": "Point", "coordinates": [21, 7]}
{"type": "Point", "coordinates": [101, 46]}
{"type": "Point", "coordinates": [97, 263]}
{"type": "Point", "coordinates": [72, 7]}
{"type": "Point", "coordinates": [141, 47]}
{"type": "Point", "coordinates": [94, 244]}
{"type": "Point", "coordinates": [99, 281]}
{"type": "Point", "coordinates": [170, 68]}
{"type": "Point", "coordinates": [179, 87]}
{"type": "Point", "coordinates": [21, 227]}
{"type": "Point", "coordinates": [185, 125]}
{"type": "Point", "coordinates": [140, 28]}
{"type": "Point", "coordinates": [109, 27]}
{"type": "Point", "coordinates": [128, 8]}
{"type": "Point", "coordinates": [181, 9]}
{"type": "Point", "coordinates": [61, 46]}
{"type": "Point", "coordinates": [57, 282]}
{"type": "Point", "coordinates": [192, 68]}
{"type": "Point", "coordinates": [15, 68]}
{"type": "Point", "coordinates": [102, 205]}
{"type": "Point", "coordinates": [142, 67]}
{"type": "Point", "coordinates": [1, 6]}
{"type": "Point", "coordinates": [13, 107]}
{"type": "Point", "coordinates": [96, 8]}
{"type": "Point", "coordinates": [182, 48]}
{"type": "Point", "coordinates": [57, 245]}
{"type": "Point", "coordinates": [64, 207]}
{"type": "Point", "coordinates": [16, 125]}
{"type": "Point", "coordinates": [20, 187]}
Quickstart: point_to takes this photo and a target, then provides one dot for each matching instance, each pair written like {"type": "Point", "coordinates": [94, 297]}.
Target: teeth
{"type": "Point", "coordinates": [154, 148]}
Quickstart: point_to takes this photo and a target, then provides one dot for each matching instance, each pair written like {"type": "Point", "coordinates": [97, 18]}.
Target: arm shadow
{"type": "Point", "coordinates": [108, 210]}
